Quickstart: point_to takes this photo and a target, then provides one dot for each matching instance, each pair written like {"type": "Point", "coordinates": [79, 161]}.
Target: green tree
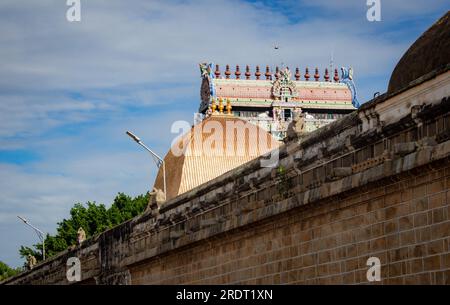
{"type": "Point", "coordinates": [6, 271]}
{"type": "Point", "coordinates": [93, 218]}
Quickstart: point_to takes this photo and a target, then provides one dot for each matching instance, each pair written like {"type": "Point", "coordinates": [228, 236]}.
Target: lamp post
{"type": "Point", "coordinates": [39, 233]}
{"type": "Point", "coordinates": [159, 161]}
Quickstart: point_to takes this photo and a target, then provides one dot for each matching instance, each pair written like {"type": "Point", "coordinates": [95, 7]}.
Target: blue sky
{"type": "Point", "coordinates": [69, 91]}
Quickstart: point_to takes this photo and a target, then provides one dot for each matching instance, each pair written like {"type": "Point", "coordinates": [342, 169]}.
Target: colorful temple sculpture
{"type": "Point", "coordinates": [271, 100]}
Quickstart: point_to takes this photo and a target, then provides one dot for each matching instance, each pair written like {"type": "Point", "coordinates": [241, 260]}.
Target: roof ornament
{"type": "Point", "coordinates": [327, 76]}
{"type": "Point", "coordinates": [336, 76]}
{"type": "Point", "coordinates": [257, 73]}
{"type": "Point", "coordinates": [267, 74]}
{"type": "Point", "coordinates": [238, 72]}
{"type": "Point", "coordinates": [221, 106]}
{"type": "Point", "coordinates": [217, 72]}
{"type": "Point", "coordinates": [207, 73]}
{"type": "Point", "coordinates": [213, 105]}
{"type": "Point", "coordinates": [316, 75]}
{"type": "Point", "coordinates": [206, 70]}
{"type": "Point", "coordinates": [227, 71]}
{"type": "Point", "coordinates": [228, 106]}
{"type": "Point", "coordinates": [347, 78]}
{"type": "Point", "coordinates": [306, 74]}
{"type": "Point", "coordinates": [283, 87]}
{"type": "Point", "coordinates": [247, 72]}
{"type": "Point", "coordinates": [297, 74]}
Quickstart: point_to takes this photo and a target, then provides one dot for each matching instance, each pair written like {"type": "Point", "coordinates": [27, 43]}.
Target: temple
{"type": "Point", "coordinates": [256, 115]}
{"type": "Point", "coordinates": [270, 100]}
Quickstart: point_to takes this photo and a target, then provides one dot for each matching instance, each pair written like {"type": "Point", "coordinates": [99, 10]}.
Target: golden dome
{"type": "Point", "coordinates": [211, 148]}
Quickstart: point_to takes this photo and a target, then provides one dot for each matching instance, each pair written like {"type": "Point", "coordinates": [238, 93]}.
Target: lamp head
{"type": "Point", "coordinates": [133, 136]}
{"type": "Point", "coordinates": [23, 219]}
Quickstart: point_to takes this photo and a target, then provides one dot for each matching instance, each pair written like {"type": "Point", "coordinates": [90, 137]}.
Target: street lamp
{"type": "Point", "coordinates": [39, 233]}
{"type": "Point", "coordinates": [158, 160]}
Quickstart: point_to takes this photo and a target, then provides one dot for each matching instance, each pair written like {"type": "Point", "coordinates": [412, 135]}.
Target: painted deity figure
{"type": "Point", "coordinates": [347, 78]}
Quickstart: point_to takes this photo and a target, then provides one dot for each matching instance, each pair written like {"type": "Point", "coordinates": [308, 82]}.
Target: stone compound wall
{"type": "Point", "coordinates": [405, 223]}
{"type": "Point", "coordinates": [375, 183]}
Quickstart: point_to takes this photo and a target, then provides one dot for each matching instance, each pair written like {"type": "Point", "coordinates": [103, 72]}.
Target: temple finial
{"type": "Point", "coordinates": [237, 73]}
{"type": "Point", "coordinates": [247, 72]}
{"type": "Point", "coordinates": [297, 74]}
{"type": "Point", "coordinates": [220, 106]}
{"type": "Point", "coordinates": [213, 105]}
{"type": "Point", "coordinates": [267, 73]}
{"type": "Point", "coordinates": [227, 72]}
{"type": "Point", "coordinates": [228, 106]}
{"type": "Point", "coordinates": [336, 76]}
{"type": "Point", "coordinates": [327, 76]}
{"type": "Point", "coordinates": [217, 72]}
{"type": "Point", "coordinates": [257, 73]}
{"type": "Point", "coordinates": [316, 75]}
{"type": "Point", "coordinates": [307, 74]}
{"type": "Point", "coordinates": [277, 73]}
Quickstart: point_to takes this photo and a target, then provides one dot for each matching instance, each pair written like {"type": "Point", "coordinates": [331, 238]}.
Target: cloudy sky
{"type": "Point", "coordinates": [69, 91]}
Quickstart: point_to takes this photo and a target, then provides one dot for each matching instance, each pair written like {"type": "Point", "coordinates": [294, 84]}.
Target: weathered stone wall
{"type": "Point", "coordinates": [404, 222]}
{"type": "Point", "coordinates": [374, 183]}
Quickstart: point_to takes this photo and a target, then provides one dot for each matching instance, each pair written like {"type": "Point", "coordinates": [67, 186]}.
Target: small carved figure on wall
{"type": "Point", "coordinates": [81, 236]}
{"type": "Point", "coordinates": [31, 261]}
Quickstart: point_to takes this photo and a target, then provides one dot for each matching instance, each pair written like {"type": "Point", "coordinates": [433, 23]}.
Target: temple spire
{"type": "Point", "coordinates": [237, 73]}
{"type": "Point", "coordinates": [297, 74]}
{"type": "Point", "coordinates": [221, 106]}
{"type": "Point", "coordinates": [228, 106]}
{"type": "Point", "coordinates": [217, 72]}
{"type": "Point", "coordinates": [267, 74]}
{"type": "Point", "coordinates": [316, 75]}
{"type": "Point", "coordinates": [336, 76]}
{"type": "Point", "coordinates": [257, 73]}
{"type": "Point", "coordinates": [227, 72]}
{"type": "Point", "coordinates": [247, 72]}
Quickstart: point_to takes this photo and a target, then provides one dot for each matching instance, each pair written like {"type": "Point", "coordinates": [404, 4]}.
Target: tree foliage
{"type": "Point", "coordinates": [6, 271]}
{"type": "Point", "coordinates": [93, 218]}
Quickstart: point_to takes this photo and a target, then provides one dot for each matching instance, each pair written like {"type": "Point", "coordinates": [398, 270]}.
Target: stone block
{"type": "Point", "coordinates": [404, 148]}
{"type": "Point", "coordinates": [341, 172]}
{"type": "Point", "coordinates": [176, 234]}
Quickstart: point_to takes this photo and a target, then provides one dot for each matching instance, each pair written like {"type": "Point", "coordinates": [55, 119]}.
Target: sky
{"type": "Point", "coordinates": [70, 90]}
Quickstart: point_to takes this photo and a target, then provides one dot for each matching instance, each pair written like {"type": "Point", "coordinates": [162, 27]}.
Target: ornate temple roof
{"type": "Point", "coordinates": [263, 90]}
{"type": "Point", "coordinates": [211, 148]}
{"type": "Point", "coordinates": [430, 52]}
